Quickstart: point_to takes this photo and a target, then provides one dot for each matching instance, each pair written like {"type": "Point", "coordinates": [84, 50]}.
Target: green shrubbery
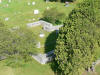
{"type": "Point", "coordinates": [54, 16]}
{"type": "Point", "coordinates": [77, 43]}
{"type": "Point", "coordinates": [16, 44]}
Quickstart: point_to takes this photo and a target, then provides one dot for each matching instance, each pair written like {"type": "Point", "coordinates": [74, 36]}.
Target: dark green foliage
{"type": "Point", "coordinates": [77, 41]}
{"type": "Point", "coordinates": [54, 16]}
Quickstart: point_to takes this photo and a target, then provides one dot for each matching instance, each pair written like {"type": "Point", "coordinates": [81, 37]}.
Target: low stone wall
{"type": "Point", "coordinates": [46, 26]}
{"type": "Point", "coordinates": [34, 24]}
{"type": "Point", "coordinates": [2, 57]}
{"type": "Point", "coordinates": [44, 58]}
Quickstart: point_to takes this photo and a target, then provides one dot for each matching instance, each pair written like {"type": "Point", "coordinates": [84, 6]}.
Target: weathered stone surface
{"type": "Point", "coordinates": [36, 11]}
{"type": "Point", "coordinates": [38, 45]}
{"type": "Point", "coordinates": [14, 28]}
{"type": "Point", "coordinates": [9, 1]}
{"type": "Point", "coordinates": [46, 26]}
{"type": "Point", "coordinates": [7, 18]}
{"type": "Point", "coordinates": [33, 3]}
{"type": "Point", "coordinates": [42, 35]}
{"type": "Point", "coordinates": [44, 58]}
{"type": "Point", "coordinates": [0, 1]}
{"type": "Point", "coordinates": [34, 24]}
{"type": "Point", "coordinates": [2, 57]}
{"type": "Point", "coordinates": [29, 3]}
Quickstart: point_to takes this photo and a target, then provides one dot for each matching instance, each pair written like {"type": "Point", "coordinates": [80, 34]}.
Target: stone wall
{"type": "Point", "coordinates": [44, 58]}
{"type": "Point", "coordinates": [34, 24]}
{"type": "Point", "coordinates": [46, 26]}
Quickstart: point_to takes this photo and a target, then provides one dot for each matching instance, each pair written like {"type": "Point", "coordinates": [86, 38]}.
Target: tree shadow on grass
{"type": "Point", "coordinates": [54, 67]}
{"type": "Point", "coordinates": [51, 42]}
{"type": "Point", "coordinates": [49, 46]}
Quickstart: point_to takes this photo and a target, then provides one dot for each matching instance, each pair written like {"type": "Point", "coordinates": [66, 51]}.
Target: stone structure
{"type": "Point", "coordinates": [29, 3]}
{"type": "Point", "coordinates": [92, 68]}
{"type": "Point", "coordinates": [0, 1]}
{"type": "Point", "coordinates": [33, 3]}
{"type": "Point", "coordinates": [47, 1]}
{"type": "Point", "coordinates": [46, 26]}
{"type": "Point", "coordinates": [36, 12]}
{"type": "Point", "coordinates": [38, 45]}
{"type": "Point", "coordinates": [2, 57]}
{"type": "Point", "coordinates": [7, 18]}
{"type": "Point", "coordinates": [42, 35]}
{"type": "Point", "coordinates": [44, 58]}
{"type": "Point", "coordinates": [9, 1]}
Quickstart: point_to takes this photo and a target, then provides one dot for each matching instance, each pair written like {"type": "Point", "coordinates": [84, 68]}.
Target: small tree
{"type": "Point", "coordinates": [54, 16]}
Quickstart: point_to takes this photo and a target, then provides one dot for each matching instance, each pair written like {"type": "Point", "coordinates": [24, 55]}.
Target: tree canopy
{"type": "Point", "coordinates": [77, 41]}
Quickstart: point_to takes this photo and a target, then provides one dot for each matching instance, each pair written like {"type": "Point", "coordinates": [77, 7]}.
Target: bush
{"type": "Point", "coordinates": [77, 42]}
{"type": "Point", "coordinates": [54, 16]}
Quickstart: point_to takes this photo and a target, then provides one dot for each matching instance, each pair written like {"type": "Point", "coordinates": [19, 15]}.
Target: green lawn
{"type": "Point", "coordinates": [47, 42]}
{"type": "Point", "coordinates": [20, 13]}
{"type": "Point", "coordinates": [98, 69]}
{"type": "Point", "coordinates": [31, 68]}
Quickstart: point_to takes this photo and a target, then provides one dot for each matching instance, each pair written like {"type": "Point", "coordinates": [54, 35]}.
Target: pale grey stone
{"type": "Point", "coordinates": [47, 1]}
{"type": "Point", "coordinates": [46, 26]}
{"type": "Point", "coordinates": [9, 1]}
{"type": "Point", "coordinates": [36, 11]}
{"type": "Point", "coordinates": [42, 35]}
{"type": "Point", "coordinates": [7, 5]}
{"type": "Point", "coordinates": [7, 18]}
{"type": "Point", "coordinates": [29, 3]}
{"type": "Point", "coordinates": [33, 3]}
{"type": "Point", "coordinates": [0, 1]}
{"type": "Point", "coordinates": [38, 45]}
{"type": "Point", "coordinates": [44, 58]}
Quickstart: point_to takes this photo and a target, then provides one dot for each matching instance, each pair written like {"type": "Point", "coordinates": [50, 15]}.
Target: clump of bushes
{"type": "Point", "coordinates": [54, 16]}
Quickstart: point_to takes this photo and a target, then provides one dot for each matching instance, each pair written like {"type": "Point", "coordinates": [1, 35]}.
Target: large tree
{"type": "Point", "coordinates": [77, 41]}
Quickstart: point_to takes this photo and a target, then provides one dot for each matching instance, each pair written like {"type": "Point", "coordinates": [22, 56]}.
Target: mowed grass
{"type": "Point", "coordinates": [98, 69]}
{"type": "Point", "coordinates": [98, 53]}
{"type": "Point", "coordinates": [47, 42]}
{"type": "Point", "coordinates": [20, 13]}
{"type": "Point", "coordinates": [30, 68]}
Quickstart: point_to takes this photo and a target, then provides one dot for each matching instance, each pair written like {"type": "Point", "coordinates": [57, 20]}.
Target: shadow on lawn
{"type": "Point", "coordinates": [51, 42]}
{"type": "Point", "coordinates": [49, 46]}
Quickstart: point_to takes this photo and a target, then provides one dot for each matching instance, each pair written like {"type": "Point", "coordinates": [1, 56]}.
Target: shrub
{"type": "Point", "coordinates": [54, 16]}
{"type": "Point", "coordinates": [77, 42]}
